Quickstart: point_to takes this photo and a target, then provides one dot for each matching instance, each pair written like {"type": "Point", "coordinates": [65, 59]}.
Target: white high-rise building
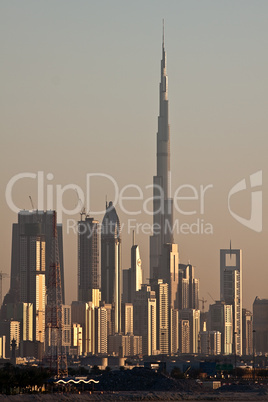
{"type": "Point", "coordinates": [231, 290]}
{"type": "Point", "coordinates": [220, 318]}
{"type": "Point", "coordinates": [145, 319]}
{"type": "Point", "coordinates": [84, 314]}
{"type": "Point", "coordinates": [32, 275]}
{"type": "Point", "coordinates": [162, 315]}
{"type": "Point", "coordinates": [193, 316]}
{"type": "Point", "coordinates": [77, 338]}
{"type": "Point", "coordinates": [101, 337]}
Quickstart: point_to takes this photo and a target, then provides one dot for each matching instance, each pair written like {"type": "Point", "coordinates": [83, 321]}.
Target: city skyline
{"type": "Point", "coordinates": [189, 158]}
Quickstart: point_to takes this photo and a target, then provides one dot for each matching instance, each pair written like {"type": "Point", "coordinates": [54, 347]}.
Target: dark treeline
{"type": "Point", "coordinates": [25, 378]}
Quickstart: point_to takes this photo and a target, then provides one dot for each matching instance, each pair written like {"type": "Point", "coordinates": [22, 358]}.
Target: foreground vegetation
{"type": "Point", "coordinates": [24, 379]}
{"type": "Point", "coordinates": [28, 379]}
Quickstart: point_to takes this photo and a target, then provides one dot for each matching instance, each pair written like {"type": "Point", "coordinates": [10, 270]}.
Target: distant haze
{"type": "Point", "coordinates": [79, 95]}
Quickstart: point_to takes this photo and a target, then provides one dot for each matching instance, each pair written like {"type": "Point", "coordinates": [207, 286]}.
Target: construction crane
{"type": "Point", "coordinates": [203, 301]}
{"type": "Point", "coordinates": [211, 297]}
{"type": "Point", "coordinates": [83, 209]}
{"type": "Point", "coordinates": [2, 275]}
{"type": "Point", "coordinates": [32, 204]}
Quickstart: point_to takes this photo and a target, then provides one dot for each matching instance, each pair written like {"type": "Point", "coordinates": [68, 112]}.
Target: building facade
{"type": "Point", "coordinates": [220, 318]}
{"type": "Point", "coordinates": [88, 258]}
{"type": "Point", "coordinates": [247, 331]}
{"type": "Point", "coordinates": [193, 317]}
{"type": "Point", "coordinates": [231, 291]}
{"type": "Point", "coordinates": [260, 325]}
{"type": "Point", "coordinates": [42, 225]}
{"type": "Point", "coordinates": [145, 322]}
{"type": "Point", "coordinates": [111, 275]}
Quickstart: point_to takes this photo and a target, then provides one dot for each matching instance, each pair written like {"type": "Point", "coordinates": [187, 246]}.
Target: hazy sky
{"type": "Point", "coordinates": [79, 95]}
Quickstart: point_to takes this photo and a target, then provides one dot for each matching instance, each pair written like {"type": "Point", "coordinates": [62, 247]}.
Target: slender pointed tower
{"type": "Point", "coordinates": [162, 203]}
{"type": "Point", "coordinates": [111, 268]}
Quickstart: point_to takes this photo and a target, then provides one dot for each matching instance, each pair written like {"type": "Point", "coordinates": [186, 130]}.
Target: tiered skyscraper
{"type": "Point", "coordinates": [164, 256]}
{"type": "Point", "coordinates": [162, 203]}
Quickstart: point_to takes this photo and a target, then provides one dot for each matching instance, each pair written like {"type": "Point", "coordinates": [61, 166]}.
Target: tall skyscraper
{"type": "Point", "coordinates": [162, 315]}
{"type": "Point", "coordinates": [32, 265]}
{"type": "Point", "coordinates": [145, 319]}
{"type": "Point", "coordinates": [111, 263]}
{"type": "Point", "coordinates": [44, 225]}
{"type": "Point", "coordinates": [88, 258]}
{"type": "Point", "coordinates": [101, 338]}
{"type": "Point", "coordinates": [162, 203]}
{"type": "Point", "coordinates": [231, 290]}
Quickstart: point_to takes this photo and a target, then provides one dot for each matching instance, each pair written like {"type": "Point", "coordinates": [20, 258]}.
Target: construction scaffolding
{"type": "Point", "coordinates": [54, 351]}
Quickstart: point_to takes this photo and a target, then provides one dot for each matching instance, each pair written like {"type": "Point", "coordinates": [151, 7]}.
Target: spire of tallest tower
{"type": "Point", "coordinates": [163, 83]}
{"type": "Point", "coordinates": [163, 36]}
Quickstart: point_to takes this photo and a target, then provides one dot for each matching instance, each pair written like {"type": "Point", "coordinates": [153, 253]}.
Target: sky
{"type": "Point", "coordinates": [79, 96]}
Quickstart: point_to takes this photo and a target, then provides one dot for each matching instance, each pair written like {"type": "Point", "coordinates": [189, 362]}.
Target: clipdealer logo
{"type": "Point", "coordinates": [197, 195]}
{"type": "Point", "coordinates": [255, 220]}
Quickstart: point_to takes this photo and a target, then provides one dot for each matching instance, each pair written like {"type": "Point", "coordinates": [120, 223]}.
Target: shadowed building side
{"type": "Point", "coordinates": [111, 288]}
{"type": "Point", "coordinates": [45, 221]}
{"type": "Point", "coordinates": [88, 258]}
